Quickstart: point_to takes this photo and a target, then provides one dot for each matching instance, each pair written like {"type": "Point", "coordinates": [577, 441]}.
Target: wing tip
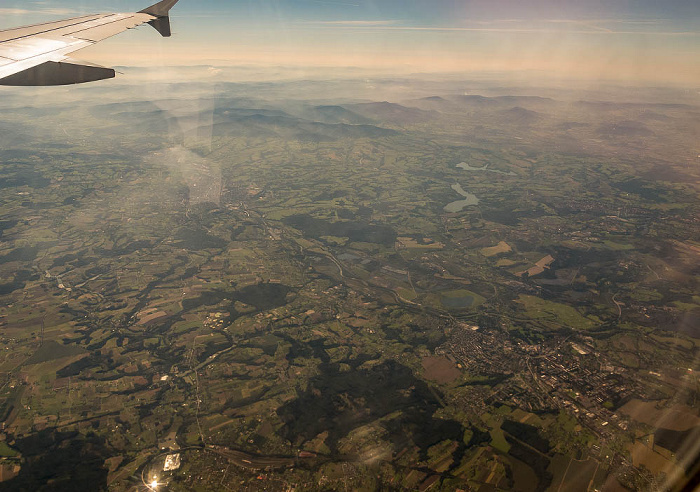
{"type": "Point", "coordinates": [162, 25]}
{"type": "Point", "coordinates": [160, 9]}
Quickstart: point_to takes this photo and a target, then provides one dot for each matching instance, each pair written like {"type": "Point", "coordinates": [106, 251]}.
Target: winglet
{"type": "Point", "coordinates": [162, 25]}
{"type": "Point", "coordinates": [160, 10]}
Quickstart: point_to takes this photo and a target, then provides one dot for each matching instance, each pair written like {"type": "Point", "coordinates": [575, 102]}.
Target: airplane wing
{"type": "Point", "coordinates": [38, 55]}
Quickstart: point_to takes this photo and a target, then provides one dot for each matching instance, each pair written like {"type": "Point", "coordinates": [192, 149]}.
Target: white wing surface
{"type": "Point", "coordinates": [38, 55]}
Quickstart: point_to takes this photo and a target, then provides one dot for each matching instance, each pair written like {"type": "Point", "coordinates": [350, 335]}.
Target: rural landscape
{"type": "Point", "coordinates": [349, 284]}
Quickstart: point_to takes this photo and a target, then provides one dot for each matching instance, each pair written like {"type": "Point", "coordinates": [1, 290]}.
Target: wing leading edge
{"type": "Point", "coordinates": [38, 55]}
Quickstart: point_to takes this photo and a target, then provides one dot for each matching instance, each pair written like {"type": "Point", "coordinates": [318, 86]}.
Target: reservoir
{"type": "Point", "coordinates": [459, 205]}
{"type": "Point", "coordinates": [469, 167]}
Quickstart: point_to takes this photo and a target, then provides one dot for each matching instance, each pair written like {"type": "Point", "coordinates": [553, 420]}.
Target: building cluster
{"type": "Point", "coordinates": [556, 374]}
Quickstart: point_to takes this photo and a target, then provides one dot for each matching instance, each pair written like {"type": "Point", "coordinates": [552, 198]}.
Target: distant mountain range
{"type": "Point", "coordinates": [335, 114]}
{"type": "Point", "coordinates": [315, 123]}
{"type": "Point", "coordinates": [460, 103]}
{"type": "Point", "coordinates": [304, 120]}
{"type": "Point", "coordinates": [295, 128]}
{"type": "Point", "coordinates": [393, 113]}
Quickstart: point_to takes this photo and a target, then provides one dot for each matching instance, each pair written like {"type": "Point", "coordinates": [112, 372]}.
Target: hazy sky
{"type": "Point", "coordinates": [648, 41]}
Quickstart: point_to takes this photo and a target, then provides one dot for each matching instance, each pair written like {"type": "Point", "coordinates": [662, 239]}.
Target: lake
{"type": "Point", "coordinates": [469, 167]}
{"type": "Point", "coordinates": [459, 205]}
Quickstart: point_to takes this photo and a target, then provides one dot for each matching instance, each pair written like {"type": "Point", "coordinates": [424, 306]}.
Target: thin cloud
{"type": "Point", "coordinates": [40, 11]}
{"type": "Point", "coordinates": [599, 24]}
{"type": "Point", "coordinates": [589, 29]}
{"type": "Point", "coordinates": [592, 25]}
{"type": "Point", "coordinates": [602, 21]}
{"type": "Point", "coordinates": [356, 23]}
{"type": "Point", "coordinates": [328, 2]}
{"type": "Point", "coordinates": [610, 26]}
